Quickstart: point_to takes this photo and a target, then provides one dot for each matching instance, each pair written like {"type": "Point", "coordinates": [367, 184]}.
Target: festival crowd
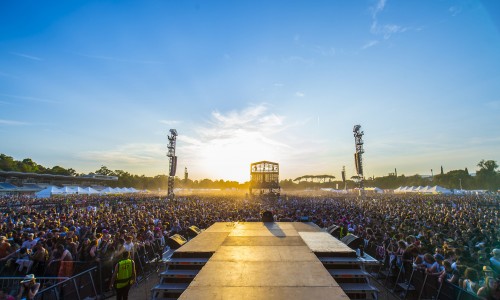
{"type": "Point", "coordinates": [454, 237]}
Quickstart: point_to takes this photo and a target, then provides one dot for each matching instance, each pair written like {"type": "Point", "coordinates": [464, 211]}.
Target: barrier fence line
{"type": "Point", "coordinates": [426, 286]}
{"type": "Point", "coordinates": [61, 290]}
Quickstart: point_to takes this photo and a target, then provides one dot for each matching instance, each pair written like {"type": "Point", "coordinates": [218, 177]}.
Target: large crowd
{"type": "Point", "coordinates": [456, 237]}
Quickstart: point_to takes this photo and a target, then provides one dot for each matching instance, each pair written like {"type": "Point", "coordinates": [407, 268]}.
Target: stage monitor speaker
{"type": "Point", "coordinates": [352, 241]}
{"type": "Point", "coordinates": [193, 231]}
{"type": "Point", "coordinates": [267, 216]}
{"type": "Point", "coordinates": [176, 241]}
{"type": "Point", "coordinates": [334, 230]}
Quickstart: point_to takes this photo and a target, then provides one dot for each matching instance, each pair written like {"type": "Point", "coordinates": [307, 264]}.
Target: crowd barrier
{"type": "Point", "coordinates": [415, 283]}
{"type": "Point", "coordinates": [76, 285]}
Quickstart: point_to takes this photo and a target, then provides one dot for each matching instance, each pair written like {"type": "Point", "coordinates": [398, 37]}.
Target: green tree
{"type": "Point", "coordinates": [105, 171]}
{"type": "Point", "coordinates": [487, 175]}
{"type": "Point", "coordinates": [7, 163]}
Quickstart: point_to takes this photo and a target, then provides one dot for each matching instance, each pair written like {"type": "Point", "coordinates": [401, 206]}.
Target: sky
{"type": "Point", "coordinates": [91, 83]}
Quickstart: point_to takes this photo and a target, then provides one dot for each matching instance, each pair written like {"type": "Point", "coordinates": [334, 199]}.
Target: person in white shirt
{"type": "Point", "coordinates": [29, 243]}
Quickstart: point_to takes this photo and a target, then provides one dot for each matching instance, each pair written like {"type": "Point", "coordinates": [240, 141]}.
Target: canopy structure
{"type": "Point", "coordinates": [434, 190]}
{"type": "Point", "coordinates": [48, 192]}
{"type": "Point", "coordinates": [90, 191]}
{"type": "Point", "coordinates": [374, 190]}
{"type": "Point", "coordinates": [76, 190]}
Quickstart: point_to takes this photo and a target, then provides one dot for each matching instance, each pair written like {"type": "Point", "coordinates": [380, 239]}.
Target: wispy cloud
{"type": "Point", "coordinates": [29, 98]}
{"type": "Point", "coordinates": [455, 10]}
{"type": "Point", "coordinates": [118, 59]}
{"type": "Point", "coordinates": [12, 123]}
{"type": "Point", "coordinates": [369, 44]}
{"type": "Point", "coordinates": [8, 75]}
{"type": "Point", "coordinates": [299, 94]}
{"type": "Point", "coordinates": [324, 51]}
{"type": "Point", "coordinates": [300, 59]}
{"type": "Point", "coordinates": [170, 122]}
{"type": "Point", "coordinates": [26, 56]}
{"type": "Point", "coordinates": [224, 146]}
{"type": "Point", "coordinates": [318, 49]}
{"type": "Point", "coordinates": [127, 154]}
{"type": "Point", "coordinates": [386, 30]}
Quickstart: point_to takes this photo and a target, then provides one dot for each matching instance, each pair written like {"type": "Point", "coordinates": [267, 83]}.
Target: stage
{"type": "Point", "coordinates": [256, 260]}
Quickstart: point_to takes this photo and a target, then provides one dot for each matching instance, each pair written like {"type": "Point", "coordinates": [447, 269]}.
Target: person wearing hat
{"type": "Point", "coordinates": [29, 288]}
{"type": "Point", "coordinates": [123, 277]}
{"type": "Point", "coordinates": [495, 261]}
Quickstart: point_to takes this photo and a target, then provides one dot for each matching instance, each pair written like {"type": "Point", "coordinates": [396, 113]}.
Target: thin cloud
{"type": "Point", "coordinates": [135, 153]}
{"type": "Point", "coordinates": [26, 56]}
{"type": "Point", "coordinates": [12, 123]}
{"type": "Point", "coordinates": [299, 94]}
{"type": "Point", "coordinates": [369, 44]}
{"type": "Point", "coordinates": [455, 10]}
{"type": "Point", "coordinates": [169, 122]}
{"type": "Point", "coordinates": [324, 51]}
{"type": "Point", "coordinates": [379, 6]}
{"type": "Point", "coordinates": [8, 75]}
{"type": "Point", "coordinates": [117, 59]}
{"type": "Point", "coordinates": [386, 30]}
{"type": "Point", "coordinates": [34, 99]}
{"type": "Point", "coordinates": [300, 59]}
{"type": "Point", "coordinates": [254, 121]}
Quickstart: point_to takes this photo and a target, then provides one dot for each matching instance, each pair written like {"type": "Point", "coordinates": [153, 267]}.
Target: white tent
{"type": "Point", "coordinates": [68, 190]}
{"type": "Point", "coordinates": [90, 191]}
{"type": "Point", "coordinates": [80, 191]}
{"type": "Point", "coordinates": [438, 190]}
{"type": "Point", "coordinates": [123, 190]}
{"type": "Point", "coordinates": [47, 192]}
{"type": "Point", "coordinates": [108, 190]}
{"type": "Point", "coordinates": [132, 190]}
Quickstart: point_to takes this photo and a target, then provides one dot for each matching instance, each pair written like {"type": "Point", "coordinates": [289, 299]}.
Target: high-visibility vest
{"type": "Point", "coordinates": [125, 272]}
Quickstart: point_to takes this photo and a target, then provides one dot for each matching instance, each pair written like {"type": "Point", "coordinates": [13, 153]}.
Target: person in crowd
{"type": "Point", "coordinates": [30, 242]}
{"type": "Point", "coordinates": [495, 261]}
{"type": "Point", "coordinates": [124, 276]}
{"type": "Point", "coordinates": [28, 288]}
{"type": "Point", "coordinates": [4, 247]}
{"type": "Point", "coordinates": [39, 257]}
{"type": "Point", "coordinates": [4, 295]}
{"type": "Point", "coordinates": [490, 290]}
{"type": "Point", "coordinates": [471, 281]}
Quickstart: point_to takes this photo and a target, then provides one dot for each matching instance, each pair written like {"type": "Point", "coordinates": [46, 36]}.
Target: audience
{"type": "Point", "coordinates": [443, 234]}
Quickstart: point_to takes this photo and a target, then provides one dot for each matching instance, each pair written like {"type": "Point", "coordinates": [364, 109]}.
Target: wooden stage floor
{"type": "Point", "coordinates": [263, 261]}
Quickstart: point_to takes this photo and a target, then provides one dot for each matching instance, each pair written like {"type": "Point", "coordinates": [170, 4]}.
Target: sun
{"type": "Point", "coordinates": [230, 159]}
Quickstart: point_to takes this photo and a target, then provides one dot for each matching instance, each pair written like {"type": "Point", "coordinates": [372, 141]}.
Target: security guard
{"type": "Point", "coordinates": [124, 276]}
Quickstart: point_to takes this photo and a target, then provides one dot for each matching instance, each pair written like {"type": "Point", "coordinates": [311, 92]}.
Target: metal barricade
{"type": "Point", "coordinates": [80, 286]}
{"type": "Point", "coordinates": [13, 283]}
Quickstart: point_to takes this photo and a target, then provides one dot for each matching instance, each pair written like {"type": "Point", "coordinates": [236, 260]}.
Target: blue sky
{"type": "Point", "coordinates": [91, 83]}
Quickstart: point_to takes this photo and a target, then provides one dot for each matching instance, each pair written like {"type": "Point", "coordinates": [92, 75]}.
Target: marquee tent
{"type": "Point", "coordinates": [47, 192]}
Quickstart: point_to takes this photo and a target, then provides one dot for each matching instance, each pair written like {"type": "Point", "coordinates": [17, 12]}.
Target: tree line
{"type": "Point", "coordinates": [487, 177]}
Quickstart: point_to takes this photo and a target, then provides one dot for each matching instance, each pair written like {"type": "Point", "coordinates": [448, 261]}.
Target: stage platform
{"type": "Point", "coordinates": [256, 260]}
{"type": "Point", "coordinates": [262, 261]}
